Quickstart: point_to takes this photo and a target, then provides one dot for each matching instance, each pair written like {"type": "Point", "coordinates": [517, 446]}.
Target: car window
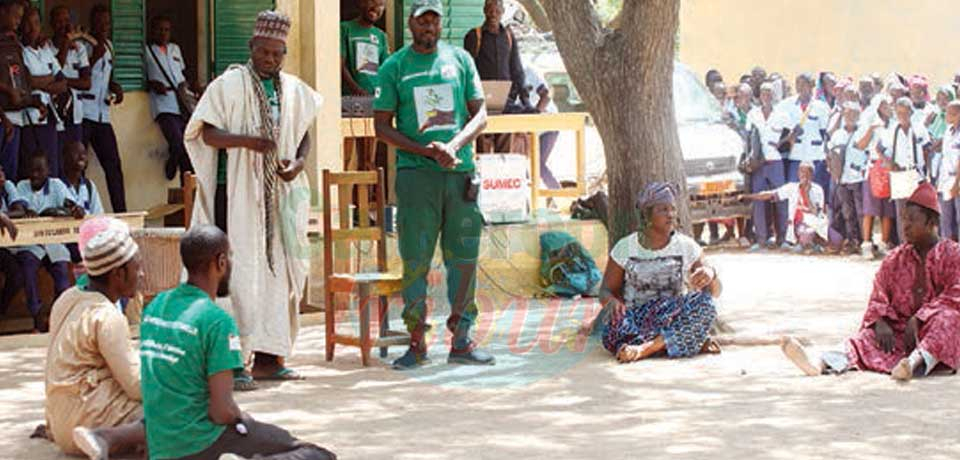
{"type": "Point", "coordinates": [691, 100]}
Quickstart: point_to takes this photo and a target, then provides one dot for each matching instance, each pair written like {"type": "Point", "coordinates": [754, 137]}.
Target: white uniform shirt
{"type": "Point", "coordinates": [41, 63]}
{"type": "Point", "coordinates": [532, 83]}
{"type": "Point", "coordinates": [76, 61]}
{"type": "Point", "coordinates": [920, 116]}
{"type": "Point", "coordinates": [173, 64]}
{"type": "Point", "coordinates": [791, 193]}
{"type": "Point", "coordinates": [52, 195]}
{"type": "Point", "coordinates": [86, 196]}
{"type": "Point", "coordinates": [948, 163]}
{"type": "Point", "coordinates": [903, 152]}
{"type": "Point", "coordinates": [855, 166]}
{"type": "Point", "coordinates": [9, 196]}
{"type": "Point", "coordinates": [95, 101]}
{"type": "Point", "coordinates": [769, 134]}
{"type": "Point", "coordinates": [809, 145]}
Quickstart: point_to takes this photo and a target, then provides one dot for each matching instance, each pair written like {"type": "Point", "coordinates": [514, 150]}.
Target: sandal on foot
{"type": "Point", "coordinates": [284, 373]}
{"type": "Point", "coordinates": [244, 382]}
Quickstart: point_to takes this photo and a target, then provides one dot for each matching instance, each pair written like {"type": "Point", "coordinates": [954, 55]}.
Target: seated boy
{"type": "Point", "coordinates": [807, 226]}
{"type": "Point", "coordinates": [44, 196]}
{"type": "Point", "coordinates": [82, 191]}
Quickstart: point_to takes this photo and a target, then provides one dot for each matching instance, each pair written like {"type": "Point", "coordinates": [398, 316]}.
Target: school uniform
{"type": "Point", "coordinates": [769, 177]}
{"type": "Point", "coordinates": [905, 148]}
{"type": "Point", "coordinates": [12, 274]}
{"type": "Point", "coordinates": [85, 195]}
{"type": "Point", "coordinates": [849, 191]}
{"type": "Point", "coordinates": [41, 134]}
{"type": "Point", "coordinates": [162, 62]}
{"type": "Point", "coordinates": [809, 145]}
{"type": "Point", "coordinates": [872, 205]}
{"type": "Point", "coordinates": [949, 207]}
{"type": "Point", "coordinates": [97, 130]}
{"type": "Point", "coordinates": [10, 147]}
{"type": "Point", "coordinates": [70, 129]}
{"type": "Point", "coordinates": [53, 257]}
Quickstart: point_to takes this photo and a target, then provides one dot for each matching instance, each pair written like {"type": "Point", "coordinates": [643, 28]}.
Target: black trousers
{"type": "Point", "coordinates": [220, 207]}
{"type": "Point", "coordinates": [172, 126]}
{"type": "Point", "coordinates": [262, 441]}
{"type": "Point", "coordinates": [104, 142]}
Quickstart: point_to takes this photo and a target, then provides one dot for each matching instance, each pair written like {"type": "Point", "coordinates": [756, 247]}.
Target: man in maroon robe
{"type": "Point", "coordinates": [912, 322]}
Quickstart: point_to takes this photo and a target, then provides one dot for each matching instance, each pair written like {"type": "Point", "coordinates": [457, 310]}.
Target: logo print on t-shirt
{"type": "Point", "coordinates": [434, 107]}
{"type": "Point", "coordinates": [368, 58]}
{"type": "Point", "coordinates": [234, 342]}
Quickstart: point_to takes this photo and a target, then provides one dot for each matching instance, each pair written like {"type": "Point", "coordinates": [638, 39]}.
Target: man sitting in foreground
{"type": "Point", "coordinates": [92, 375]}
{"type": "Point", "coordinates": [190, 350]}
{"type": "Point", "coordinates": [912, 323]}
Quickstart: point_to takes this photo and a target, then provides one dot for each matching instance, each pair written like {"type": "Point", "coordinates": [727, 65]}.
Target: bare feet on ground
{"type": "Point", "coordinates": [90, 443]}
{"type": "Point", "coordinates": [794, 351]}
{"type": "Point", "coordinates": [903, 371]}
{"type": "Point", "coordinates": [631, 353]}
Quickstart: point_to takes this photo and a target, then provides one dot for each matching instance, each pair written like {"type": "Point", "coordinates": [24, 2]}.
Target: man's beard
{"type": "Point", "coordinates": [427, 43]}
{"type": "Point", "coordinates": [223, 289]}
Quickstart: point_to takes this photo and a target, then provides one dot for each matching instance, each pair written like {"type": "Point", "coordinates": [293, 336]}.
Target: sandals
{"type": "Point", "coordinates": [244, 382]}
{"type": "Point", "coordinates": [284, 374]}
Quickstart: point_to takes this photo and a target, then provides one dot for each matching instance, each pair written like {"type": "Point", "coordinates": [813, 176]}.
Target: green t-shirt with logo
{"type": "Point", "coordinates": [429, 94]}
{"type": "Point", "coordinates": [270, 91]}
{"type": "Point", "coordinates": [184, 339]}
{"type": "Point", "coordinates": [364, 49]}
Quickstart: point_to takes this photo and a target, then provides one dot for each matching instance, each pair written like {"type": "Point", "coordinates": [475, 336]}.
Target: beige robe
{"type": "Point", "coordinates": [264, 303]}
{"type": "Point", "coordinates": [93, 374]}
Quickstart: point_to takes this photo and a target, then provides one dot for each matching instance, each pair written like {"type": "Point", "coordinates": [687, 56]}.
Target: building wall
{"type": "Point", "coordinates": [313, 56]}
{"type": "Point", "coordinates": [849, 37]}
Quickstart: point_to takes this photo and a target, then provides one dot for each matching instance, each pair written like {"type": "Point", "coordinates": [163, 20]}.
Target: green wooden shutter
{"type": "Point", "coordinates": [459, 17]}
{"type": "Point", "coordinates": [129, 36]}
{"type": "Point", "coordinates": [233, 27]}
{"type": "Point", "coordinates": [38, 4]}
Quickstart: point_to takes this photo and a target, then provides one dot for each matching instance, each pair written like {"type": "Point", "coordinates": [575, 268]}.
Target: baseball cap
{"type": "Point", "coordinates": [421, 7]}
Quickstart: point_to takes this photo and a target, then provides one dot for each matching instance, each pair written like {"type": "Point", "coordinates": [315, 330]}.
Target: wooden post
{"type": "Point", "coordinates": [534, 172]}
{"type": "Point", "coordinates": [189, 187]}
{"type": "Point", "coordinates": [581, 160]}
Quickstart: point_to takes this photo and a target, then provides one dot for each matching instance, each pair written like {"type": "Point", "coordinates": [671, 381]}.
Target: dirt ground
{"type": "Point", "coordinates": [541, 401]}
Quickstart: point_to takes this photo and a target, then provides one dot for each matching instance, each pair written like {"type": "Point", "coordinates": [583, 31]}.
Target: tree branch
{"type": "Point", "coordinates": [537, 14]}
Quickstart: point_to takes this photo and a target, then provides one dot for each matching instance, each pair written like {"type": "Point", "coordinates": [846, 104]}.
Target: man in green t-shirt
{"type": "Point", "coordinates": [432, 90]}
{"type": "Point", "coordinates": [363, 48]}
{"type": "Point", "coordinates": [189, 352]}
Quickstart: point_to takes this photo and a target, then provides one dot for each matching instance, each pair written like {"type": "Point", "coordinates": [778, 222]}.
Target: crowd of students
{"type": "Point", "coordinates": [56, 106]}
{"type": "Point", "coordinates": [839, 155]}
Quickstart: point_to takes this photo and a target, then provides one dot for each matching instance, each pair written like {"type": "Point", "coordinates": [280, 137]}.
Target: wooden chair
{"type": "Point", "coordinates": [369, 286]}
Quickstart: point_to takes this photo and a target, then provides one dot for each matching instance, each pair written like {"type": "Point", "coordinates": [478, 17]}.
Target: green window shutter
{"type": "Point", "coordinates": [129, 36]}
{"type": "Point", "coordinates": [38, 4]}
{"type": "Point", "coordinates": [459, 17]}
{"type": "Point", "coordinates": [233, 27]}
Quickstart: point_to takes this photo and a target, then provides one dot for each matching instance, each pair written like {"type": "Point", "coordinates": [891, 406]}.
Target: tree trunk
{"type": "Point", "coordinates": [625, 76]}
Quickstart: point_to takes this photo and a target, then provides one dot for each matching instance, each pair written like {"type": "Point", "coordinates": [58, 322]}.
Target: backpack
{"type": "Point", "coordinates": [752, 159]}
{"type": "Point", "coordinates": [566, 268]}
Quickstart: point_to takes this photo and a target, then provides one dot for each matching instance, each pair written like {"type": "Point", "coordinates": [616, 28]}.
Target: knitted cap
{"type": "Point", "coordinates": [272, 25]}
{"type": "Point", "coordinates": [110, 247]}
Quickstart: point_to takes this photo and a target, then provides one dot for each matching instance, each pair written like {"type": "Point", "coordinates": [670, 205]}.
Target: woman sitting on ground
{"type": "Point", "coordinates": [657, 291]}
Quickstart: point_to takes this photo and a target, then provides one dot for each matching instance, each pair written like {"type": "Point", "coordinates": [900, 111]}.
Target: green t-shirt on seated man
{"type": "Point", "coordinates": [428, 93]}
{"type": "Point", "coordinates": [184, 339]}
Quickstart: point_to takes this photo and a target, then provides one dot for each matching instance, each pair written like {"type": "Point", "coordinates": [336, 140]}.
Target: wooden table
{"type": "Point", "coordinates": [51, 230]}
{"type": "Point", "coordinates": [358, 128]}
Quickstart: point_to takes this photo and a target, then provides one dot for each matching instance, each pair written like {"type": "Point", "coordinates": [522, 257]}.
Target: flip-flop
{"type": "Point", "coordinates": [244, 382]}
{"type": "Point", "coordinates": [283, 374]}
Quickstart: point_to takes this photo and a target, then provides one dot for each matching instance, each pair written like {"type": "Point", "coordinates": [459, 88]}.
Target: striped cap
{"type": "Point", "coordinates": [111, 246]}
{"type": "Point", "coordinates": [272, 25]}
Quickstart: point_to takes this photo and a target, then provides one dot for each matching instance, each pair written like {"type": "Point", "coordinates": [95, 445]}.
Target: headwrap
{"type": "Point", "coordinates": [948, 90]}
{"type": "Point", "coordinates": [926, 196]}
{"type": "Point", "coordinates": [272, 25]}
{"type": "Point", "coordinates": [807, 164]}
{"type": "Point", "coordinates": [109, 247]}
{"type": "Point", "coordinates": [657, 193]}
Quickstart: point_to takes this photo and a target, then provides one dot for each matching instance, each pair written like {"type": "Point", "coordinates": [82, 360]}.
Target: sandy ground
{"type": "Point", "coordinates": [543, 402]}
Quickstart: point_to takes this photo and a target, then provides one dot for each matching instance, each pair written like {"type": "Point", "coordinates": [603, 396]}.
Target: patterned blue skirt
{"type": "Point", "coordinates": [683, 321]}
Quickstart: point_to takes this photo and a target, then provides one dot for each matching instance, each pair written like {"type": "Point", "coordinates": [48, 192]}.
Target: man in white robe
{"type": "Point", "coordinates": [248, 142]}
